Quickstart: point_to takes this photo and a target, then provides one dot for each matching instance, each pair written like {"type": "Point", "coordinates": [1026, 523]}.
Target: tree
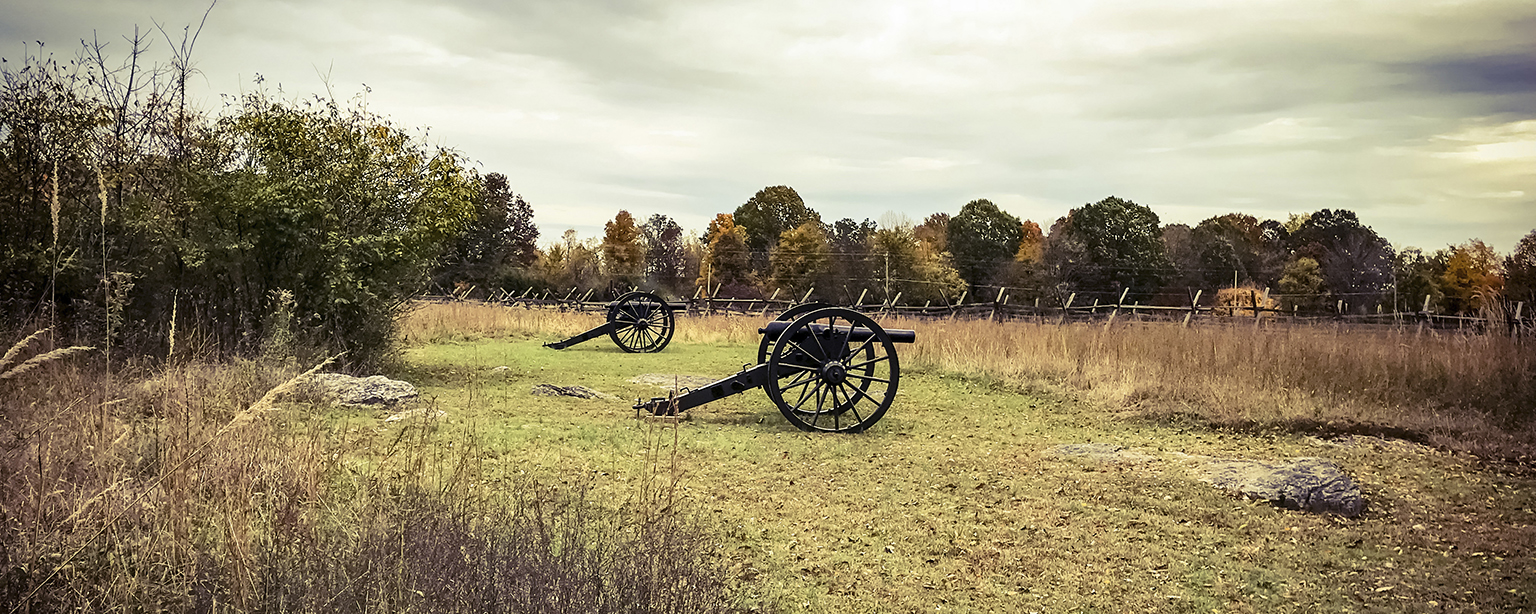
{"type": "Point", "coordinates": [1354, 259]}
{"type": "Point", "coordinates": [1301, 284]}
{"type": "Point", "coordinates": [1229, 246]}
{"type": "Point", "coordinates": [908, 268]}
{"type": "Point", "coordinates": [725, 263]}
{"type": "Point", "coordinates": [1026, 272]}
{"type": "Point", "coordinates": [851, 258]}
{"type": "Point", "coordinates": [1471, 273]}
{"type": "Point", "coordinates": [1108, 246]}
{"type": "Point", "coordinates": [334, 205]}
{"type": "Point", "coordinates": [766, 216]}
{"type": "Point", "coordinates": [1520, 272]}
{"type": "Point", "coordinates": [666, 259]}
{"type": "Point", "coordinates": [934, 232]}
{"type": "Point", "coordinates": [623, 255]}
{"type": "Point", "coordinates": [801, 260]}
{"type": "Point", "coordinates": [571, 263]}
{"type": "Point", "coordinates": [1179, 245]}
{"type": "Point", "coordinates": [1418, 276]}
{"type": "Point", "coordinates": [1031, 243]}
{"type": "Point", "coordinates": [981, 239]}
{"type": "Point", "coordinates": [502, 234]}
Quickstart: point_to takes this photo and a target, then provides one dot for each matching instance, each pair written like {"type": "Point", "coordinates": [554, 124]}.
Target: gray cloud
{"type": "Point", "coordinates": [1419, 116]}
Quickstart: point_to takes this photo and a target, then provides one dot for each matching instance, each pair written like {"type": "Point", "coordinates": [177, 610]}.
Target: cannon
{"type": "Point", "coordinates": [637, 322]}
{"type": "Point", "coordinates": [827, 369]}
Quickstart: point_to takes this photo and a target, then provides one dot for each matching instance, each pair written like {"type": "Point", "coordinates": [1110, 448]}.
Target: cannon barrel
{"type": "Point", "coordinates": [772, 330]}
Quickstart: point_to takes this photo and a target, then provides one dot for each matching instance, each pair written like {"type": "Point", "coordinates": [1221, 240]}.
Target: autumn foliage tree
{"type": "Point", "coordinates": [623, 255]}
{"type": "Point", "coordinates": [801, 259]}
{"type": "Point", "coordinates": [765, 217]}
{"type": "Point", "coordinates": [1472, 272]}
{"type": "Point", "coordinates": [725, 262]}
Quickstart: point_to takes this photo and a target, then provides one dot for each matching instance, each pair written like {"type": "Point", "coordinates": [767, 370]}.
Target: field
{"type": "Point", "coordinates": [953, 502]}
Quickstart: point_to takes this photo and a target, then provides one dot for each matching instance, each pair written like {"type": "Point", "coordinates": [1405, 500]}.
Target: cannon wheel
{"type": "Point", "coordinates": [766, 345]}
{"type": "Point", "coordinates": [644, 322]}
{"type": "Point", "coordinates": [828, 382]}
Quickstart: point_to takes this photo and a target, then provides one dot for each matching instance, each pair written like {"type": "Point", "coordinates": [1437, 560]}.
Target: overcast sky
{"type": "Point", "coordinates": [1420, 116]}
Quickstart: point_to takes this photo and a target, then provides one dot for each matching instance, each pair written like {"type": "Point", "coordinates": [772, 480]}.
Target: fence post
{"type": "Point", "coordinates": [1066, 309]}
{"type": "Point", "coordinates": [807, 294]}
{"type": "Point", "coordinates": [995, 302]}
{"type": "Point", "coordinates": [1194, 303]}
{"type": "Point", "coordinates": [956, 308]}
{"type": "Point", "coordinates": [1116, 311]}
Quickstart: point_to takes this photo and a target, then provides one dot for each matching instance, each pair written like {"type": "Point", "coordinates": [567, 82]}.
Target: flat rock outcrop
{"type": "Point", "coordinates": [373, 391]}
{"type": "Point", "coordinates": [1305, 484]}
{"type": "Point", "coordinates": [580, 392]}
{"type": "Point", "coordinates": [1314, 485]}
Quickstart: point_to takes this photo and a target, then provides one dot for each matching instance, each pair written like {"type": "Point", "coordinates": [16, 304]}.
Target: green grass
{"type": "Point", "coordinates": [951, 502]}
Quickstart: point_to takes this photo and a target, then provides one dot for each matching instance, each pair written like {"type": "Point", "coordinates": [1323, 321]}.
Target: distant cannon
{"type": "Point", "coordinates": [637, 322]}
{"type": "Point", "coordinates": [829, 369]}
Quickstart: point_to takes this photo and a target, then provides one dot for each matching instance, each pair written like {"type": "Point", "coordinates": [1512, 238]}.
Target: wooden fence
{"type": "Point", "coordinates": [1517, 319]}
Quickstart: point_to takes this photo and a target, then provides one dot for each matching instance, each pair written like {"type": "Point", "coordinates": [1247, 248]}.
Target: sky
{"type": "Point", "coordinates": [1418, 115]}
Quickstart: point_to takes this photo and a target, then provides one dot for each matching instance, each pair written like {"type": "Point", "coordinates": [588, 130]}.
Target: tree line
{"type": "Point", "coordinates": [133, 220]}
{"type": "Point", "coordinates": [774, 244]}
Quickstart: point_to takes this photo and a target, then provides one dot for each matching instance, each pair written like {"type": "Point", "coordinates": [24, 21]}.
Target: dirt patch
{"type": "Point", "coordinates": [673, 381]}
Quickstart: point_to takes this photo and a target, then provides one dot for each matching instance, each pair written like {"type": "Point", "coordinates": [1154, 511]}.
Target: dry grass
{"type": "Point", "coordinates": [148, 500]}
{"type": "Point", "coordinates": [1461, 392]}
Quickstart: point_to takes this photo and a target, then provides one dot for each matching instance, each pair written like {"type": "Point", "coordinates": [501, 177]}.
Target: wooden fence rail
{"type": "Point", "coordinates": [1517, 319]}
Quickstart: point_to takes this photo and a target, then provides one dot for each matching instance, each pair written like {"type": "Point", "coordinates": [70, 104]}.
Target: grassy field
{"type": "Point", "coordinates": [187, 488]}
{"type": "Point", "coordinates": [953, 501]}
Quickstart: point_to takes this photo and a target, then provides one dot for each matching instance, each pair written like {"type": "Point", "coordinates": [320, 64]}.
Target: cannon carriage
{"type": "Point", "coordinates": [636, 322]}
{"type": "Point", "coordinates": [827, 369]}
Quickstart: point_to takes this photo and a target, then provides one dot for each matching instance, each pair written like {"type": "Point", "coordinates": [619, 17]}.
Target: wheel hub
{"type": "Point", "coordinates": [834, 372]}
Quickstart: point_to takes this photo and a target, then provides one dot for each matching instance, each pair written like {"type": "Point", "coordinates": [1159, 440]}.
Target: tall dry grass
{"type": "Point", "coordinates": [1473, 392]}
{"type": "Point", "coordinates": [1468, 392]}
{"type": "Point", "coordinates": [191, 489]}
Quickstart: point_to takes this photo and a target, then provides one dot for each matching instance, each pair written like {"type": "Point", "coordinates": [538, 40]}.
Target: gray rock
{"type": "Point", "coordinates": [580, 392]}
{"type": "Point", "coordinates": [1305, 484]}
{"type": "Point", "coordinates": [373, 391]}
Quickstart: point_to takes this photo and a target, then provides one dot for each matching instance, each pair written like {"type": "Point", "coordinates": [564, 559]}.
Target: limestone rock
{"type": "Point", "coordinates": [1306, 484]}
{"type": "Point", "coordinates": [373, 391]}
{"type": "Point", "coordinates": [580, 392]}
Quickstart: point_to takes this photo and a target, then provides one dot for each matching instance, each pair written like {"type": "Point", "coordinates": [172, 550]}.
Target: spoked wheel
{"type": "Point", "coordinates": [766, 345]}
{"type": "Point", "coordinates": [643, 322]}
{"type": "Point", "coordinates": [834, 370]}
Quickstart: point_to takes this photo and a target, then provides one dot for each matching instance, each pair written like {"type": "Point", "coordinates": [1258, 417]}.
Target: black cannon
{"type": "Point", "coordinates": [637, 322]}
{"type": "Point", "coordinates": [828, 369]}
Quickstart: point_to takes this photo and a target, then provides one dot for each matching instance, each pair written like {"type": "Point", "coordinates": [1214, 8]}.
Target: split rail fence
{"type": "Point", "coordinates": [1517, 318]}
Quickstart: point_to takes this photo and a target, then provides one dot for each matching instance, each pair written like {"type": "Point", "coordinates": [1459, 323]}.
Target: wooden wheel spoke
{"type": "Point", "coordinates": [869, 363]}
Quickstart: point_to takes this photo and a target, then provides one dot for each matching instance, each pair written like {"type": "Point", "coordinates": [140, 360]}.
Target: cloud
{"type": "Point", "coordinates": [1408, 112]}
